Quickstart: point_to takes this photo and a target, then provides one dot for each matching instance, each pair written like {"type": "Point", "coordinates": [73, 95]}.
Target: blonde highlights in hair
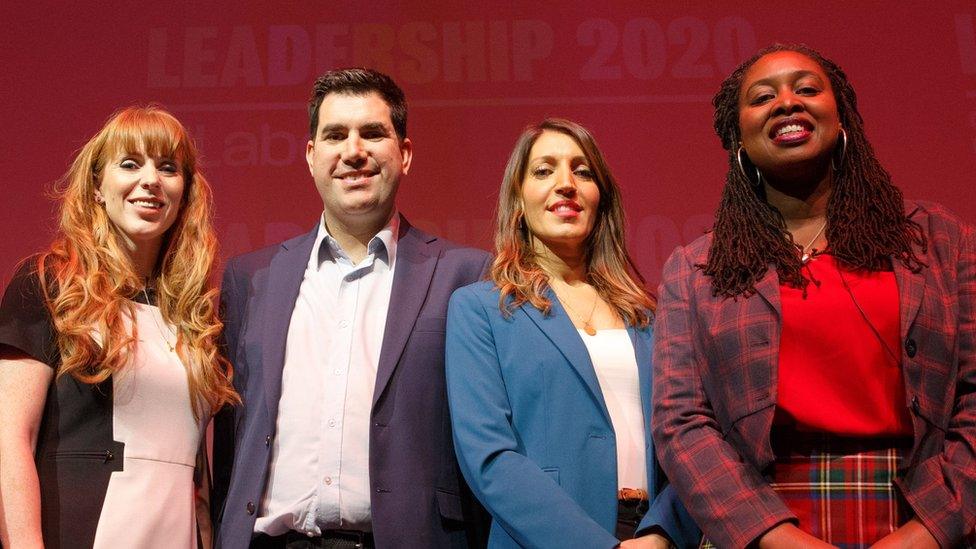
{"type": "Point", "coordinates": [87, 277]}
{"type": "Point", "coordinates": [516, 270]}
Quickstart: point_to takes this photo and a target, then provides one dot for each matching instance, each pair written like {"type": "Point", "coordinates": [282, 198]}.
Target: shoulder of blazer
{"type": "Point", "coordinates": [478, 298]}
{"type": "Point", "coordinates": [935, 218]}
{"type": "Point", "coordinates": [945, 233]}
{"type": "Point", "coordinates": [482, 291]}
{"type": "Point", "coordinates": [260, 258]}
{"type": "Point", "coordinates": [696, 251]}
{"type": "Point", "coordinates": [681, 262]}
{"type": "Point", "coordinates": [464, 254]}
{"type": "Point", "coordinates": [698, 248]}
{"type": "Point", "coordinates": [447, 249]}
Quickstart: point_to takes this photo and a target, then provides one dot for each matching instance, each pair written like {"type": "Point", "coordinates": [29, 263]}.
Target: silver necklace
{"type": "Point", "coordinates": [806, 256]}
{"type": "Point", "coordinates": [152, 314]}
{"type": "Point", "coordinates": [587, 324]}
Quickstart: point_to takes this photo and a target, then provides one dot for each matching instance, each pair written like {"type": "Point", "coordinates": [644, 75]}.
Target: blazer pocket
{"type": "Point", "coordinates": [449, 505]}
{"type": "Point", "coordinates": [553, 473]}
{"type": "Point", "coordinates": [430, 324]}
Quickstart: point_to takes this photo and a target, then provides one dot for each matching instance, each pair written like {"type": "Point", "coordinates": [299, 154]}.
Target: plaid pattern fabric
{"type": "Point", "coordinates": [715, 364]}
{"type": "Point", "coordinates": [841, 495]}
{"type": "Point", "coordinates": [847, 501]}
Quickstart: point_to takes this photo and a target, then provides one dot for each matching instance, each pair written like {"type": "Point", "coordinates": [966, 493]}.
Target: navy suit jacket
{"type": "Point", "coordinates": [418, 498]}
{"type": "Point", "coordinates": [532, 431]}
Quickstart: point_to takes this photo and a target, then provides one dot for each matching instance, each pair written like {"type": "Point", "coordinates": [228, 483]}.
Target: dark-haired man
{"type": "Point", "coordinates": [337, 339]}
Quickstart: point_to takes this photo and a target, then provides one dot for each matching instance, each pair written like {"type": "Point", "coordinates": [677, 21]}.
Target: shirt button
{"type": "Point", "coordinates": [310, 534]}
{"type": "Point", "coordinates": [337, 372]}
{"type": "Point", "coordinates": [911, 348]}
{"type": "Point", "coordinates": [332, 423]}
{"type": "Point", "coordinates": [343, 323]}
{"type": "Point", "coordinates": [328, 481]}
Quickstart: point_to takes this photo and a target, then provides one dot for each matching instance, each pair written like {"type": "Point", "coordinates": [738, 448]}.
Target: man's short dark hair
{"type": "Point", "coordinates": [359, 81]}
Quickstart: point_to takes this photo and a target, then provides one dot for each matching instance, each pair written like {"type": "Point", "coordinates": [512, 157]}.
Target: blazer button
{"type": "Point", "coordinates": [267, 440]}
{"type": "Point", "coordinates": [911, 347]}
{"type": "Point", "coordinates": [249, 507]}
{"type": "Point", "coordinates": [915, 404]}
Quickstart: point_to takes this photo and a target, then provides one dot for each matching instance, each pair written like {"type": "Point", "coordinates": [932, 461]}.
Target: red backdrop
{"type": "Point", "coordinates": [640, 75]}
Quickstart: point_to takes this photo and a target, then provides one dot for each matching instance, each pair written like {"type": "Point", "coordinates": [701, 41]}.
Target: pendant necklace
{"type": "Point", "coordinates": [587, 324]}
{"type": "Point", "coordinates": [156, 322]}
{"type": "Point", "coordinates": [806, 256]}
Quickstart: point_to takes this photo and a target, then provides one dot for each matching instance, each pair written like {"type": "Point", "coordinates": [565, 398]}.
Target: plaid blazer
{"type": "Point", "coordinates": [715, 366]}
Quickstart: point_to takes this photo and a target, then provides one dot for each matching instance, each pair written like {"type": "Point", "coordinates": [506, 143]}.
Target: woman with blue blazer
{"type": "Point", "coordinates": [549, 363]}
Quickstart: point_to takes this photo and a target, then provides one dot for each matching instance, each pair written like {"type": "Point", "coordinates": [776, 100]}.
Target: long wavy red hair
{"type": "Point", "coordinates": [610, 269]}
{"type": "Point", "coordinates": [88, 279]}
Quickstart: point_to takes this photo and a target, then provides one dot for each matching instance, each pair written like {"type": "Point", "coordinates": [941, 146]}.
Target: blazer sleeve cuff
{"type": "Point", "coordinates": [934, 503]}
{"type": "Point", "coordinates": [749, 537]}
{"type": "Point", "coordinates": [668, 516]}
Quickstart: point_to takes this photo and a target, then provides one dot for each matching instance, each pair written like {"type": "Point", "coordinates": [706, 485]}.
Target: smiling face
{"type": "Point", "coordinates": [788, 118]}
{"type": "Point", "coordinates": [142, 196]}
{"type": "Point", "coordinates": [559, 194]}
{"type": "Point", "coordinates": [356, 158]}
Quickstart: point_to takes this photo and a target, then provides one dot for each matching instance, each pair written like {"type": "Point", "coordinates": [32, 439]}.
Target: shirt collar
{"type": "Point", "coordinates": [382, 246]}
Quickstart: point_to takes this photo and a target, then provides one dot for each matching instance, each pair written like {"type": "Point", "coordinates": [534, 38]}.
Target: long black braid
{"type": "Point", "coordinates": [866, 221]}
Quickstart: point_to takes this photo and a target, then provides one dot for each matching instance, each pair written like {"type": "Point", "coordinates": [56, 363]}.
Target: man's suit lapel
{"type": "Point", "coordinates": [413, 272]}
{"type": "Point", "coordinates": [558, 327]}
{"type": "Point", "coordinates": [285, 275]}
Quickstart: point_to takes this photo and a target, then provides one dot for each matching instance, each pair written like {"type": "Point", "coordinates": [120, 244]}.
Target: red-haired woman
{"type": "Point", "coordinates": [109, 367]}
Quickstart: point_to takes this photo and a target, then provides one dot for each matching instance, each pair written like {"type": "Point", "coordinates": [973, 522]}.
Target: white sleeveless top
{"type": "Point", "coordinates": [150, 502]}
{"type": "Point", "coordinates": [613, 358]}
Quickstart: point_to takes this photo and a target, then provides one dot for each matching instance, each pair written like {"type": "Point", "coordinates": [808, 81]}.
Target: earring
{"type": "Point", "coordinates": [839, 163]}
{"type": "Point", "coordinates": [742, 169]}
{"type": "Point", "coordinates": [99, 199]}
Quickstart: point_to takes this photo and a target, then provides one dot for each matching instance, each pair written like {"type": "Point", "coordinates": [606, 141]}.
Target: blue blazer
{"type": "Point", "coordinates": [532, 431]}
{"type": "Point", "coordinates": [418, 498]}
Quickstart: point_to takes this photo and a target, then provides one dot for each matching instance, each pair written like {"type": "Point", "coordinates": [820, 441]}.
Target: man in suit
{"type": "Point", "coordinates": [337, 340]}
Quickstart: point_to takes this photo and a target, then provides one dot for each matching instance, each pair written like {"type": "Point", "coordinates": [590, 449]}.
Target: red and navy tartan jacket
{"type": "Point", "coordinates": [715, 366]}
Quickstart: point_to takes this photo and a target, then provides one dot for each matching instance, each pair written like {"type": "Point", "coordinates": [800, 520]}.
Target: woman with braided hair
{"type": "Point", "coordinates": [815, 353]}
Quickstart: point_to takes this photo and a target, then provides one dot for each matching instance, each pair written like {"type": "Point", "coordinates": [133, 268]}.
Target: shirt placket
{"type": "Point", "coordinates": [336, 382]}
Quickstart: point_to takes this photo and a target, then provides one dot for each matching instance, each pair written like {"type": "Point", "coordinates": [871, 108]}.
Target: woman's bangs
{"type": "Point", "coordinates": [152, 132]}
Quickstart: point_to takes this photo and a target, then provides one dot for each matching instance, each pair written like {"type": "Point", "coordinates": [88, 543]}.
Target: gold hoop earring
{"type": "Point", "coordinates": [839, 163]}
{"type": "Point", "coordinates": [742, 169]}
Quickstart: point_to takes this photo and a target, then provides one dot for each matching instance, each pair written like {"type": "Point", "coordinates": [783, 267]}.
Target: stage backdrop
{"type": "Point", "coordinates": [640, 75]}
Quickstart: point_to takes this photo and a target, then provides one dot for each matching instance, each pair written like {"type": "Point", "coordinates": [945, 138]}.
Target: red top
{"type": "Point", "coordinates": [835, 375]}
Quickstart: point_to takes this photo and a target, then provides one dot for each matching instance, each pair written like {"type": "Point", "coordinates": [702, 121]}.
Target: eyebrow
{"type": "Point", "coordinates": [795, 75]}
{"type": "Point", "coordinates": [367, 127]}
{"type": "Point", "coordinates": [125, 153]}
{"type": "Point", "coordinates": [551, 158]}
